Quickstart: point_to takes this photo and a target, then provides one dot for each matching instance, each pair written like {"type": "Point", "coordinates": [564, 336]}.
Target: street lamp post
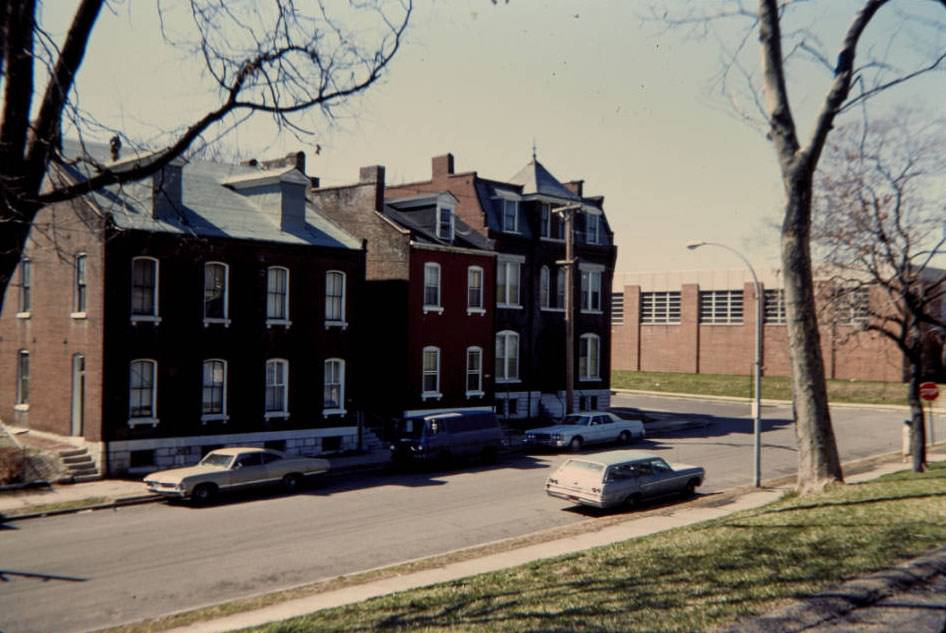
{"type": "Point", "coordinates": [757, 369]}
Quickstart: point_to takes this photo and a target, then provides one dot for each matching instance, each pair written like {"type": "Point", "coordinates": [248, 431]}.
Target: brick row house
{"type": "Point", "coordinates": [206, 306]}
{"type": "Point", "coordinates": [431, 277]}
{"type": "Point", "coordinates": [517, 216]}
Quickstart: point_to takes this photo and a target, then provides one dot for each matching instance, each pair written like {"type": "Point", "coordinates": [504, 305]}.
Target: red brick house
{"type": "Point", "coordinates": [209, 305]}
{"type": "Point", "coordinates": [430, 276]}
{"type": "Point", "coordinates": [528, 239]}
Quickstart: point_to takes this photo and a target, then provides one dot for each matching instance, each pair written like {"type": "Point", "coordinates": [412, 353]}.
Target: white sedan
{"type": "Point", "coordinates": [587, 427]}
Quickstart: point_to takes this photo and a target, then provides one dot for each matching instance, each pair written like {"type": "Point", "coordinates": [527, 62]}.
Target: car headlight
{"type": "Point", "coordinates": [557, 436]}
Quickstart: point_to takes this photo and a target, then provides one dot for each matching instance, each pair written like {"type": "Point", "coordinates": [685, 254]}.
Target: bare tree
{"type": "Point", "coordinates": [879, 213]}
{"type": "Point", "coordinates": [280, 60]}
{"type": "Point", "coordinates": [763, 97]}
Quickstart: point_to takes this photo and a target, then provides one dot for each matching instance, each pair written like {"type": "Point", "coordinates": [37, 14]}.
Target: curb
{"type": "Point", "coordinates": [117, 503]}
{"type": "Point", "coordinates": [765, 401]}
{"type": "Point", "coordinates": [842, 599]}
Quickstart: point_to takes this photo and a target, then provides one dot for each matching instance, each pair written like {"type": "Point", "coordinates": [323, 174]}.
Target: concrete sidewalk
{"type": "Point", "coordinates": [633, 528]}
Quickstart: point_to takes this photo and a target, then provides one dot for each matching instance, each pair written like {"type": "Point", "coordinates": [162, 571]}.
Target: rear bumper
{"type": "Point", "coordinates": [583, 499]}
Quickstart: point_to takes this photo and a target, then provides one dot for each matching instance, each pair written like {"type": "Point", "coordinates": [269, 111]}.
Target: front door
{"type": "Point", "coordinates": [78, 393]}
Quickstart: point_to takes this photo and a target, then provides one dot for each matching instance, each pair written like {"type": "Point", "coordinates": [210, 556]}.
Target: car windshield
{"type": "Point", "coordinates": [410, 427]}
{"type": "Point", "coordinates": [576, 420]}
{"type": "Point", "coordinates": [216, 459]}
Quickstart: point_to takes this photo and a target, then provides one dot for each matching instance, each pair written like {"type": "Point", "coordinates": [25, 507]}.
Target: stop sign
{"type": "Point", "coordinates": [929, 390]}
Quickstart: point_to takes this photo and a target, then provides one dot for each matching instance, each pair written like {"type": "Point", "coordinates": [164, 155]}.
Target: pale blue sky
{"type": "Point", "coordinates": [606, 98]}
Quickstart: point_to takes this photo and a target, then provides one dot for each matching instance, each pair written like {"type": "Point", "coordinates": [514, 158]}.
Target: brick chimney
{"type": "Point", "coordinates": [442, 166]}
{"type": "Point", "coordinates": [292, 159]}
{"type": "Point", "coordinates": [374, 174]}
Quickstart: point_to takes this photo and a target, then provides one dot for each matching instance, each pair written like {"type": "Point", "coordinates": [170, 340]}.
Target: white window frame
{"type": "Point", "coordinates": [340, 409]}
{"type": "Point", "coordinates": [451, 232]}
{"type": "Point", "coordinates": [560, 289]}
{"type": "Point", "coordinates": [340, 321]}
{"type": "Point", "coordinates": [222, 415]}
{"type": "Point", "coordinates": [586, 372]}
{"type": "Point", "coordinates": [270, 414]}
{"type": "Point", "coordinates": [225, 319]}
{"type": "Point", "coordinates": [433, 268]}
{"type": "Point", "coordinates": [478, 307]}
{"type": "Point", "coordinates": [590, 277]}
{"type": "Point", "coordinates": [515, 216]}
{"type": "Point", "coordinates": [774, 309]}
{"type": "Point", "coordinates": [153, 316]}
{"type": "Point", "coordinates": [80, 286]}
{"type": "Point", "coordinates": [270, 319]}
{"type": "Point", "coordinates": [477, 372]}
{"type": "Point", "coordinates": [25, 297]}
{"type": "Point", "coordinates": [507, 374]}
{"type": "Point", "coordinates": [660, 307]}
{"type": "Point", "coordinates": [141, 420]}
{"type": "Point", "coordinates": [545, 288]}
{"type": "Point", "coordinates": [22, 380]}
{"type": "Point", "coordinates": [504, 264]}
{"type": "Point", "coordinates": [721, 307]}
{"type": "Point", "coordinates": [548, 220]}
{"type": "Point", "coordinates": [427, 394]}
{"type": "Point", "coordinates": [592, 220]}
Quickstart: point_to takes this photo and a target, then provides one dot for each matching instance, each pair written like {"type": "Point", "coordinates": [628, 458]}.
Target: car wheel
{"type": "Point", "coordinates": [292, 482]}
{"type": "Point", "coordinates": [634, 501]}
{"type": "Point", "coordinates": [576, 443]}
{"type": "Point", "coordinates": [204, 494]}
{"type": "Point", "coordinates": [624, 437]}
{"type": "Point", "coordinates": [690, 490]}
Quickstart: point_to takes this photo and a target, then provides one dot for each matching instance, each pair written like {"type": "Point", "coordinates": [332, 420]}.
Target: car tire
{"type": "Point", "coordinates": [624, 437]}
{"type": "Point", "coordinates": [292, 482]}
{"type": "Point", "coordinates": [576, 444]}
{"type": "Point", "coordinates": [690, 490]}
{"type": "Point", "coordinates": [634, 501]}
{"type": "Point", "coordinates": [204, 494]}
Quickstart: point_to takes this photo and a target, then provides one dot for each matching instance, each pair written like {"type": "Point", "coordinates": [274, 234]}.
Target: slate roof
{"type": "Point", "coordinates": [536, 179]}
{"type": "Point", "coordinates": [210, 209]}
{"type": "Point", "coordinates": [413, 220]}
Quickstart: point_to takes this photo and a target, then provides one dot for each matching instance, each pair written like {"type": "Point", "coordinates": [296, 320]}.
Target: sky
{"type": "Point", "coordinates": [603, 93]}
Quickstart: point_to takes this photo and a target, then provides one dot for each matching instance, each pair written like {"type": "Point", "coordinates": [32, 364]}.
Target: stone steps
{"type": "Point", "coordinates": [78, 465]}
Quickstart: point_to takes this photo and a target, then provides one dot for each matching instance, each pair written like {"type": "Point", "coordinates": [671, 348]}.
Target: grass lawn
{"type": "Point", "coordinates": [774, 387]}
{"type": "Point", "coordinates": [689, 579]}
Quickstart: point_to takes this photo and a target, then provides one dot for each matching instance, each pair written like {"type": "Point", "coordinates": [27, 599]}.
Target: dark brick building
{"type": "Point", "coordinates": [209, 305]}
{"type": "Point", "coordinates": [528, 239]}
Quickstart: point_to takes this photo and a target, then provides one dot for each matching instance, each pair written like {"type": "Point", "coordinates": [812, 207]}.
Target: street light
{"type": "Point", "coordinates": [757, 370]}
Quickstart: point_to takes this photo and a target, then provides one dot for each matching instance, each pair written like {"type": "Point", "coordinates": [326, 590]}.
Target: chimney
{"type": "Point", "coordinates": [577, 187]}
{"type": "Point", "coordinates": [374, 174]}
{"type": "Point", "coordinates": [292, 159]}
{"type": "Point", "coordinates": [167, 191]}
{"type": "Point", "coordinates": [442, 166]}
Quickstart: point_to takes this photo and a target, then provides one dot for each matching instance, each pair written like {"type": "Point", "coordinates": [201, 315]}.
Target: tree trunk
{"type": "Point", "coordinates": [818, 461]}
{"type": "Point", "coordinates": [917, 421]}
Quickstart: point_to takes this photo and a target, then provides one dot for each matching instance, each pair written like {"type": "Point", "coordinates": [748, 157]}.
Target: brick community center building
{"type": "Point", "coordinates": [705, 323]}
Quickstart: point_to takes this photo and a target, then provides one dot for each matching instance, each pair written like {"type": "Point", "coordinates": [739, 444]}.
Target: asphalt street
{"type": "Point", "coordinates": [90, 570]}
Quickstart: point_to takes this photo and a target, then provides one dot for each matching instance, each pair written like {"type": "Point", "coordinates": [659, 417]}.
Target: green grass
{"type": "Point", "coordinates": [773, 387]}
{"type": "Point", "coordinates": [689, 579]}
{"type": "Point", "coordinates": [77, 504]}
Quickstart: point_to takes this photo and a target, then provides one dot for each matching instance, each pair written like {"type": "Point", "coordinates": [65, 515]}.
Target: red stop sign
{"type": "Point", "coordinates": [929, 390]}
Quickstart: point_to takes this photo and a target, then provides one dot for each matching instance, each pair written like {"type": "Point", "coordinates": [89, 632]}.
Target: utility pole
{"type": "Point", "coordinates": [568, 216]}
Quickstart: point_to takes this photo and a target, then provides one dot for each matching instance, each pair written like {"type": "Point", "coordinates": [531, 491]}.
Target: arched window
{"type": "Point", "coordinates": [333, 398]}
{"type": "Point", "coordinates": [431, 373]}
{"type": "Point", "coordinates": [144, 288]}
{"type": "Point", "coordinates": [214, 393]}
{"type": "Point", "coordinates": [507, 356]}
{"type": "Point", "coordinates": [334, 297]}
{"type": "Point", "coordinates": [277, 388]}
{"type": "Point", "coordinates": [544, 287]}
{"type": "Point", "coordinates": [142, 391]}
{"type": "Point", "coordinates": [589, 357]}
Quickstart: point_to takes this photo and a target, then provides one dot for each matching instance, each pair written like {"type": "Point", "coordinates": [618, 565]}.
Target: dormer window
{"type": "Point", "coordinates": [510, 216]}
{"type": "Point", "coordinates": [445, 223]}
{"type": "Point", "coordinates": [592, 231]}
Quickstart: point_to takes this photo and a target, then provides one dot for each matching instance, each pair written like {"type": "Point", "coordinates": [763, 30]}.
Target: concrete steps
{"type": "Point", "coordinates": [78, 465]}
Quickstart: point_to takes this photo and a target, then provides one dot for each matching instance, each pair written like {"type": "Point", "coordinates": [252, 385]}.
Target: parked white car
{"type": "Point", "coordinates": [587, 427]}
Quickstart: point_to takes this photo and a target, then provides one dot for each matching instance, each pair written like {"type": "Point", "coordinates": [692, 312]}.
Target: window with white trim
{"type": "Point", "coordinates": [144, 288]}
{"type": "Point", "coordinates": [334, 298]}
{"type": "Point", "coordinates": [560, 288]}
{"type": "Point", "coordinates": [591, 291]}
{"type": "Point", "coordinates": [80, 288]}
{"type": "Point", "coordinates": [216, 292]}
{"type": "Point", "coordinates": [445, 223]}
{"type": "Point", "coordinates": [277, 294]}
{"type": "Point", "coordinates": [721, 306]}
{"type": "Point", "coordinates": [589, 357]}
{"type": "Point", "coordinates": [333, 392]}
{"type": "Point", "coordinates": [775, 307]}
{"type": "Point", "coordinates": [432, 288]}
{"type": "Point", "coordinates": [592, 228]}
{"type": "Point", "coordinates": [431, 373]}
{"type": "Point", "coordinates": [277, 388]}
{"type": "Point", "coordinates": [551, 226]}
{"type": "Point", "coordinates": [507, 357]}
{"type": "Point", "coordinates": [214, 390]}
{"type": "Point", "coordinates": [507, 283]}
{"type": "Point", "coordinates": [22, 378]}
{"type": "Point", "coordinates": [142, 391]}
{"type": "Point", "coordinates": [545, 290]}
{"type": "Point", "coordinates": [474, 290]}
{"type": "Point", "coordinates": [474, 371]}
{"type": "Point", "coordinates": [510, 216]}
{"type": "Point", "coordinates": [26, 286]}
{"type": "Point", "coordinates": [660, 307]}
